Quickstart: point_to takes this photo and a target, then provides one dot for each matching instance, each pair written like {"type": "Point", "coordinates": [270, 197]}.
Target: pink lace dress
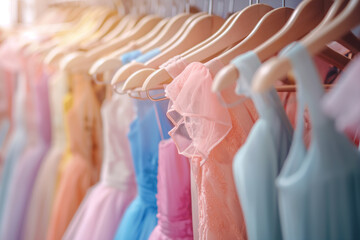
{"type": "Point", "coordinates": [210, 134]}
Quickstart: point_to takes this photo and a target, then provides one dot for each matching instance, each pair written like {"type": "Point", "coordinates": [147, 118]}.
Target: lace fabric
{"type": "Point", "coordinates": [218, 208]}
{"type": "Point", "coordinates": [198, 127]}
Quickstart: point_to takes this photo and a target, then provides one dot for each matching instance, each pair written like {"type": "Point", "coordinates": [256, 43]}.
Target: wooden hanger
{"type": "Point", "coordinates": [134, 44]}
{"type": "Point", "coordinates": [277, 67]}
{"type": "Point", "coordinates": [80, 62]}
{"type": "Point", "coordinates": [304, 19]}
{"type": "Point", "coordinates": [200, 29]}
{"type": "Point", "coordinates": [108, 26]}
{"type": "Point", "coordinates": [124, 72]}
{"type": "Point", "coordinates": [71, 42]}
{"type": "Point", "coordinates": [127, 23]}
{"type": "Point", "coordinates": [238, 29]}
{"type": "Point", "coordinates": [112, 61]}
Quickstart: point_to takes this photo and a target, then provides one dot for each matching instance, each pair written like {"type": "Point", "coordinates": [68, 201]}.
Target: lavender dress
{"type": "Point", "coordinates": [26, 169]}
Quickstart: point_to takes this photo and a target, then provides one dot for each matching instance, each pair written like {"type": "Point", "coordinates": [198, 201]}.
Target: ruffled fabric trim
{"type": "Point", "coordinates": [201, 122]}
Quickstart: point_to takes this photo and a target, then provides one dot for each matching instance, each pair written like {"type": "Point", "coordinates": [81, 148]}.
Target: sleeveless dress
{"type": "Point", "coordinates": [209, 134]}
{"type": "Point", "coordinates": [259, 161]}
{"type": "Point", "coordinates": [80, 168]}
{"type": "Point", "coordinates": [339, 102]}
{"type": "Point", "coordinates": [17, 141]}
{"type": "Point", "coordinates": [319, 188]}
{"type": "Point", "coordinates": [146, 131]}
{"type": "Point", "coordinates": [173, 198]}
{"type": "Point", "coordinates": [43, 195]}
{"type": "Point", "coordinates": [106, 202]}
{"type": "Point", "coordinates": [27, 167]}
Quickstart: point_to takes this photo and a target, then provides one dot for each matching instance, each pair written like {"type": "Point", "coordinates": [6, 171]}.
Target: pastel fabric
{"type": "Point", "coordinates": [148, 55]}
{"type": "Point", "coordinates": [209, 134]}
{"type": "Point", "coordinates": [173, 198]}
{"type": "Point", "coordinates": [43, 195]}
{"type": "Point", "coordinates": [80, 168]}
{"type": "Point", "coordinates": [339, 102]}
{"type": "Point", "coordinates": [26, 169]}
{"type": "Point", "coordinates": [17, 141]}
{"type": "Point", "coordinates": [12, 61]}
{"type": "Point", "coordinates": [319, 188]}
{"type": "Point", "coordinates": [259, 161]}
{"type": "Point", "coordinates": [148, 129]}
{"type": "Point", "coordinates": [7, 90]}
{"type": "Point", "coordinates": [129, 56]}
{"type": "Point", "coordinates": [105, 203]}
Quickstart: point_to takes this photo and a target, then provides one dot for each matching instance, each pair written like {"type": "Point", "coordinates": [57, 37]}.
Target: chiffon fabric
{"type": "Point", "coordinates": [80, 168]}
{"type": "Point", "coordinates": [11, 61]}
{"type": "Point", "coordinates": [43, 195]}
{"type": "Point", "coordinates": [173, 198]}
{"type": "Point", "coordinates": [17, 140]}
{"type": "Point", "coordinates": [27, 167]}
{"type": "Point", "coordinates": [106, 202]}
{"type": "Point", "coordinates": [339, 102]}
{"type": "Point", "coordinates": [146, 131]}
{"type": "Point", "coordinates": [259, 161]}
{"type": "Point", "coordinates": [319, 187]}
{"type": "Point", "coordinates": [210, 135]}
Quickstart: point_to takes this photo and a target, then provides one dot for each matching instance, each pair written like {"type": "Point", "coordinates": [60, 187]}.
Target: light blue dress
{"type": "Point", "coordinates": [319, 188]}
{"type": "Point", "coordinates": [129, 56]}
{"type": "Point", "coordinates": [138, 56]}
{"type": "Point", "coordinates": [259, 161]}
{"type": "Point", "coordinates": [16, 145]}
{"type": "Point", "coordinates": [148, 55]}
{"type": "Point", "coordinates": [145, 134]}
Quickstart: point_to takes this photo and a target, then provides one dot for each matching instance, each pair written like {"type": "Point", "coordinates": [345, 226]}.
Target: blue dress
{"type": "Point", "coordinates": [259, 161]}
{"type": "Point", "coordinates": [140, 218]}
{"type": "Point", "coordinates": [319, 188]}
{"type": "Point", "coordinates": [17, 143]}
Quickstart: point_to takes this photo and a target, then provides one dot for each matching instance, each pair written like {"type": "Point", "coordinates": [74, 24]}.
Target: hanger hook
{"type": "Point", "coordinates": [210, 7]}
{"type": "Point", "coordinates": [187, 6]}
{"type": "Point", "coordinates": [96, 80]}
{"type": "Point", "coordinates": [231, 6]}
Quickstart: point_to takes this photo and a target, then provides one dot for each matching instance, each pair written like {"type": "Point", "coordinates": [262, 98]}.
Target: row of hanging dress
{"type": "Point", "coordinates": [183, 168]}
{"type": "Point", "coordinates": [196, 143]}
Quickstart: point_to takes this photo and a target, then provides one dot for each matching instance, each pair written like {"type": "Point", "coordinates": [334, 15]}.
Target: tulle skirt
{"type": "Point", "coordinates": [100, 213]}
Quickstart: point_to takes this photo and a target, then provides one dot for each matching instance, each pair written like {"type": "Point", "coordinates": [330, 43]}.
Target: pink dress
{"type": "Point", "coordinates": [341, 103]}
{"type": "Point", "coordinates": [210, 135]}
{"type": "Point", "coordinates": [173, 198]}
{"type": "Point", "coordinates": [102, 209]}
